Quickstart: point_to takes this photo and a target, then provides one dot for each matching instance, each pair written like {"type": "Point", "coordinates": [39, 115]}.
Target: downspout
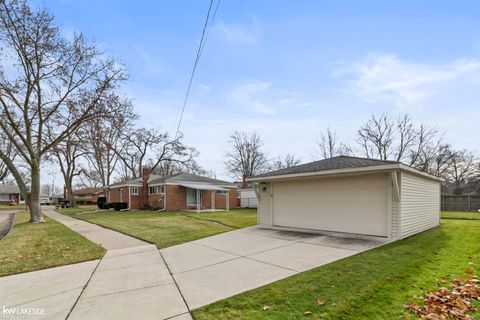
{"type": "Point", "coordinates": [129, 198]}
{"type": "Point", "coordinates": [227, 200]}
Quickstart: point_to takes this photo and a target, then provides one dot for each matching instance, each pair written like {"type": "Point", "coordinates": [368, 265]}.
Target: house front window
{"type": "Point", "coordinates": [192, 197]}
{"type": "Point", "coordinates": [134, 191]}
{"type": "Point", "coordinates": [222, 192]}
{"type": "Point", "coordinates": [4, 197]}
{"type": "Point", "coordinates": [155, 190]}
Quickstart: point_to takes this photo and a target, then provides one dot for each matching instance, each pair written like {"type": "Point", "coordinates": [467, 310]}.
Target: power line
{"type": "Point", "coordinates": [197, 59]}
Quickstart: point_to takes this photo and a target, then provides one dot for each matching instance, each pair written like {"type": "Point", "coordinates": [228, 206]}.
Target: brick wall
{"type": "Point", "coordinates": [136, 200]}
{"type": "Point", "coordinates": [176, 199]}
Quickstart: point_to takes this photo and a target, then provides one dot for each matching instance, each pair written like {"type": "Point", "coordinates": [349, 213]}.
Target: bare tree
{"type": "Point", "coordinates": [400, 140]}
{"type": "Point", "coordinates": [67, 155]}
{"type": "Point", "coordinates": [464, 167]}
{"type": "Point", "coordinates": [331, 147]}
{"type": "Point", "coordinates": [376, 137]}
{"type": "Point", "coordinates": [282, 163]}
{"type": "Point", "coordinates": [53, 79]}
{"type": "Point", "coordinates": [8, 150]}
{"type": "Point", "coordinates": [246, 157]}
{"type": "Point", "coordinates": [153, 148]}
{"type": "Point", "coordinates": [105, 138]}
{"type": "Point", "coordinates": [49, 189]}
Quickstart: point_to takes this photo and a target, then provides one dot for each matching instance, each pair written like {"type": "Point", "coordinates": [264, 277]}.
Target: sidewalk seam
{"type": "Point", "coordinates": [83, 289]}
{"type": "Point", "coordinates": [175, 282]}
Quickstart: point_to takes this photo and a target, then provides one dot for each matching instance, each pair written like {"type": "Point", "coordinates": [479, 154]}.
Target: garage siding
{"type": "Point", "coordinates": [264, 210]}
{"type": "Point", "coordinates": [356, 204]}
{"type": "Point", "coordinates": [420, 204]}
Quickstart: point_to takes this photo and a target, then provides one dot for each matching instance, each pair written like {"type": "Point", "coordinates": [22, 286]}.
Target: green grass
{"type": "Point", "coordinates": [460, 215]}
{"type": "Point", "coordinates": [14, 207]}
{"type": "Point", "coordinates": [30, 247]}
{"type": "Point", "coordinates": [166, 229]}
{"type": "Point", "coordinates": [372, 285]}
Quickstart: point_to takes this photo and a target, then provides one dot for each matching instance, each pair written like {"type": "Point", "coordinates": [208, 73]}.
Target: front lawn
{"type": "Point", "coordinates": [166, 229]}
{"type": "Point", "coordinates": [372, 285]}
{"type": "Point", "coordinates": [460, 215]}
{"type": "Point", "coordinates": [31, 247]}
{"type": "Point", "coordinates": [12, 207]}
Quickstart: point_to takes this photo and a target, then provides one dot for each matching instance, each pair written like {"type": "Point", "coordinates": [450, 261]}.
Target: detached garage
{"type": "Point", "coordinates": [349, 195]}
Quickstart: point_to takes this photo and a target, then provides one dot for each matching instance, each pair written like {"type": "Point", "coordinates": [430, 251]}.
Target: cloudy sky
{"type": "Point", "coordinates": [290, 69]}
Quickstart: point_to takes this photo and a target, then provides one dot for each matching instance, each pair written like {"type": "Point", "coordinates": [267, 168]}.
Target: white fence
{"type": "Point", "coordinates": [248, 202]}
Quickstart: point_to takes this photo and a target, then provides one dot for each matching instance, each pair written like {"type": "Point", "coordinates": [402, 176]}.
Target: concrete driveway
{"type": "Point", "coordinates": [214, 268]}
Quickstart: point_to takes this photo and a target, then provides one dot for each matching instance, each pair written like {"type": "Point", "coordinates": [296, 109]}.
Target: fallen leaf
{"type": "Point", "coordinates": [320, 302]}
{"type": "Point", "coordinates": [265, 308]}
{"type": "Point", "coordinates": [307, 313]}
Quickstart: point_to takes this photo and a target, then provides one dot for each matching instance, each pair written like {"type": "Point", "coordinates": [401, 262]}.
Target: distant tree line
{"type": "Point", "coordinates": [420, 146]}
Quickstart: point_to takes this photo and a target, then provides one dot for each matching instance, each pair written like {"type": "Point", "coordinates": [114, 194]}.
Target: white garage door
{"type": "Point", "coordinates": [349, 204]}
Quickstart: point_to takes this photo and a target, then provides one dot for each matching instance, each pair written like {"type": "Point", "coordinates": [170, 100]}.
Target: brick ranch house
{"type": "Point", "coordinates": [182, 191]}
{"type": "Point", "coordinates": [87, 195]}
{"type": "Point", "coordinates": [10, 194]}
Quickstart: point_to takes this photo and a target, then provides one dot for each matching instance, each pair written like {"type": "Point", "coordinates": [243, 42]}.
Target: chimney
{"type": "Point", "coordinates": [244, 182]}
{"type": "Point", "coordinates": [145, 177]}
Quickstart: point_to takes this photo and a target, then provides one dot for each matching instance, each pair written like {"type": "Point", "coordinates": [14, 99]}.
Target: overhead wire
{"type": "Point", "coordinates": [197, 59]}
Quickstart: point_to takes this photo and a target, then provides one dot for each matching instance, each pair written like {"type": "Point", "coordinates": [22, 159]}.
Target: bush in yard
{"type": "Point", "coordinates": [117, 206]}
{"type": "Point", "coordinates": [101, 202]}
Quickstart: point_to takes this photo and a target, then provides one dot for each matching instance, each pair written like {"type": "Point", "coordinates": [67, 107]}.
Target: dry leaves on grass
{"type": "Point", "coordinates": [453, 303]}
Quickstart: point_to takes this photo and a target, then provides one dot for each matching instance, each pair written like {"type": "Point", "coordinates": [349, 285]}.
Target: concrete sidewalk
{"type": "Point", "coordinates": [107, 238]}
{"type": "Point", "coordinates": [130, 282]}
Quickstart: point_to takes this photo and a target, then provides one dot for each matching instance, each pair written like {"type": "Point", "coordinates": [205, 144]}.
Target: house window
{"type": "Point", "coordinates": [160, 189]}
{"type": "Point", "coordinates": [192, 197]}
{"type": "Point", "coordinates": [134, 191]}
{"type": "Point", "coordinates": [222, 192]}
{"type": "Point", "coordinates": [4, 197]}
{"type": "Point", "coordinates": [152, 190]}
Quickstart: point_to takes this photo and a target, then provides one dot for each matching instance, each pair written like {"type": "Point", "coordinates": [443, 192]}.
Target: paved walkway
{"type": "Point", "coordinates": [218, 267]}
{"type": "Point", "coordinates": [130, 282]}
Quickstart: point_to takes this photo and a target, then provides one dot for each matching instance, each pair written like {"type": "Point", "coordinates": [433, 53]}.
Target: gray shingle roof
{"type": "Point", "coordinates": [179, 177]}
{"type": "Point", "coordinates": [340, 162]}
{"type": "Point", "coordinates": [9, 189]}
{"type": "Point", "coordinates": [188, 177]}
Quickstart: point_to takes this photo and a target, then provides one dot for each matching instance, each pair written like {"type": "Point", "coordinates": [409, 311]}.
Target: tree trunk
{"type": "Point", "coordinates": [34, 203]}
{"type": "Point", "coordinates": [71, 196]}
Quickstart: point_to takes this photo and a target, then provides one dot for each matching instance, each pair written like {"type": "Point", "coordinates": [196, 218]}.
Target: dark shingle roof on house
{"type": "Point", "coordinates": [178, 177]}
{"type": "Point", "coordinates": [340, 162]}
{"type": "Point", "coordinates": [188, 177]}
{"type": "Point", "coordinates": [9, 189]}
{"type": "Point", "coordinates": [87, 190]}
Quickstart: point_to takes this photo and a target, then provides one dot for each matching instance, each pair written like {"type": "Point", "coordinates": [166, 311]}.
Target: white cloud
{"type": "Point", "coordinates": [263, 97]}
{"type": "Point", "coordinates": [385, 77]}
{"type": "Point", "coordinates": [240, 33]}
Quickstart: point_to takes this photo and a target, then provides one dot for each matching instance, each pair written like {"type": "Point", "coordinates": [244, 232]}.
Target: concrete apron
{"type": "Point", "coordinates": [221, 266]}
{"type": "Point", "coordinates": [130, 282]}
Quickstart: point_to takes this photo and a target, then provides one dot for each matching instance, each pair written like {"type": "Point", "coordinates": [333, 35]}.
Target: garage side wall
{"type": "Point", "coordinates": [420, 204]}
{"type": "Point", "coordinates": [265, 209]}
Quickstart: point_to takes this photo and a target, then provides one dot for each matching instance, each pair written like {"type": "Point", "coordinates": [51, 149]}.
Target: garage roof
{"type": "Point", "coordinates": [338, 164]}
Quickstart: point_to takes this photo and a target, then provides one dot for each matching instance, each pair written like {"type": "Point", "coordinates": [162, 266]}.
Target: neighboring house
{"type": "Point", "coordinates": [349, 195]}
{"type": "Point", "coordinates": [87, 195]}
{"type": "Point", "coordinates": [246, 195]}
{"type": "Point", "coordinates": [182, 191]}
{"type": "Point", "coordinates": [10, 194]}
